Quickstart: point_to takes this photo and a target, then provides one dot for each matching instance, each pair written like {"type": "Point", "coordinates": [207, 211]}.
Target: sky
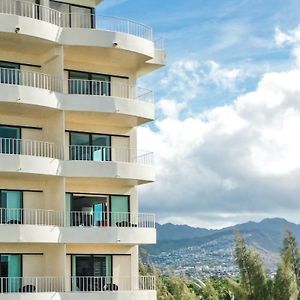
{"type": "Point", "coordinates": [227, 131]}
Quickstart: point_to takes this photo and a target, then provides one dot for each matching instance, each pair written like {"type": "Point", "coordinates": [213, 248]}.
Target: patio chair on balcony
{"type": "Point", "coordinates": [125, 224]}
{"type": "Point", "coordinates": [29, 288]}
{"type": "Point", "coordinates": [110, 287]}
{"type": "Point", "coordinates": [14, 222]}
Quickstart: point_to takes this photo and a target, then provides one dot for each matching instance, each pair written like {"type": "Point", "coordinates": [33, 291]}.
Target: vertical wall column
{"type": "Point", "coordinates": [53, 61]}
{"type": "Point", "coordinates": [135, 267]}
{"type": "Point", "coordinates": [55, 263]}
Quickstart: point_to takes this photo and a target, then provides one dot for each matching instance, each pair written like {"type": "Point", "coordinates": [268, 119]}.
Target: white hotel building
{"type": "Point", "coordinates": [70, 223]}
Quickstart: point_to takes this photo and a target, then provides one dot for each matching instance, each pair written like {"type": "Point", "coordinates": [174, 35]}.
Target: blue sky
{"type": "Point", "coordinates": [228, 109]}
{"type": "Point", "coordinates": [234, 33]}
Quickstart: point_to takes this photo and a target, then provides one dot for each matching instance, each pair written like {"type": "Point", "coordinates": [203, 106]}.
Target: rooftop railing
{"type": "Point", "coordinates": [78, 284]}
{"type": "Point", "coordinates": [75, 20]}
{"type": "Point", "coordinates": [43, 217]}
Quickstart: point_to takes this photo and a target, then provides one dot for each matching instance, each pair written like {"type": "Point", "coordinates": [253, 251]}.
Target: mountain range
{"type": "Point", "coordinates": [267, 234]}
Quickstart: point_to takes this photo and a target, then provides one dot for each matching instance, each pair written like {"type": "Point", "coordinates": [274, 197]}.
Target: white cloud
{"type": "Point", "coordinates": [242, 158]}
{"type": "Point", "coordinates": [222, 77]}
{"type": "Point", "coordinates": [170, 108]}
{"type": "Point", "coordinates": [186, 78]}
{"type": "Point", "coordinates": [291, 38]}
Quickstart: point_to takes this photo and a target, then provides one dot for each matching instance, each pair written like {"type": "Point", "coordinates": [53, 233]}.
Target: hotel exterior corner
{"type": "Point", "coordinates": [70, 223]}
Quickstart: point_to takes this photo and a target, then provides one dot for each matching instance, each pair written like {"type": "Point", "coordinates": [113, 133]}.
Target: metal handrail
{"type": "Point", "coordinates": [110, 219]}
{"type": "Point", "coordinates": [76, 152]}
{"type": "Point", "coordinates": [105, 153]}
{"type": "Point", "coordinates": [30, 78]}
{"type": "Point", "coordinates": [108, 88]}
{"type": "Point", "coordinates": [75, 86]}
{"type": "Point", "coordinates": [30, 148]}
{"type": "Point", "coordinates": [78, 284]}
{"type": "Point", "coordinates": [31, 284]}
{"type": "Point", "coordinates": [75, 20]}
{"type": "Point", "coordinates": [112, 283]}
{"type": "Point", "coordinates": [115, 24]}
{"type": "Point", "coordinates": [44, 217]}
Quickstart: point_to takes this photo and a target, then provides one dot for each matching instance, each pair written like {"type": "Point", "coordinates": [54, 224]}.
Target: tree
{"type": "Point", "coordinates": [285, 284]}
{"type": "Point", "coordinates": [208, 292]}
{"type": "Point", "coordinates": [290, 253]}
{"type": "Point", "coordinates": [254, 283]}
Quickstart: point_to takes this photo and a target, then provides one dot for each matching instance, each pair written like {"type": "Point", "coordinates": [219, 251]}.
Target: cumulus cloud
{"type": "Point", "coordinates": [291, 38]}
{"type": "Point", "coordinates": [170, 107]}
{"type": "Point", "coordinates": [188, 77]}
{"type": "Point", "coordinates": [233, 161]}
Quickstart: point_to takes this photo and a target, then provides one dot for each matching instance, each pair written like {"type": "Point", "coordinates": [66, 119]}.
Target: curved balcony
{"type": "Point", "coordinates": [74, 20]}
{"type": "Point", "coordinates": [39, 157]}
{"type": "Point", "coordinates": [49, 226]}
{"type": "Point", "coordinates": [34, 88]}
{"type": "Point", "coordinates": [91, 288]}
{"type": "Point", "coordinates": [42, 22]}
{"type": "Point", "coordinates": [109, 162]}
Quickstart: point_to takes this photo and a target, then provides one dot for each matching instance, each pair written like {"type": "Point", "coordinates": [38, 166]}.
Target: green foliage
{"type": "Point", "coordinates": [253, 282]}
{"type": "Point", "coordinates": [208, 292]}
{"type": "Point", "coordinates": [285, 284]}
{"type": "Point", "coordinates": [169, 288]}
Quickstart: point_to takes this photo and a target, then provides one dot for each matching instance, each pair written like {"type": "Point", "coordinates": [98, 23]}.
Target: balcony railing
{"type": "Point", "coordinates": [110, 219]}
{"type": "Point", "coordinates": [115, 24]}
{"type": "Point", "coordinates": [76, 152]}
{"type": "Point", "coordinates": [108, 88]}
{"type": "Point", "coordinates": [102, 153]}
{"type": "Point", "coordinates": [30, 148]}
{"type": "Point", "coordinates": [159, 43]}
{"type": "Point", "coordinates": [78, 284]}
{"type": "Point", "coordinates": [31, 284]}
{"type": "Point", "coordinates": [75, 86]}
{"type": "Point", "coordinates": [111, 283]}
{"type": "Point", "coordinates": [29, 216]}
{"type": "Point", "coordinates": [75, 20]}
{"type": "Point", "coordinates": [29, 78]}
{"type": "Point", "coordinates": [30, 10]}
{"type": "Point", "coordinates": [42, 217]}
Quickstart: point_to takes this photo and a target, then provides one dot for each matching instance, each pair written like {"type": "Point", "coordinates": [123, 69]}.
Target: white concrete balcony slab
{"type": "Point", "coordinates": [43, 90]}
{"type": "Point", "coordinates": [76, 29]}
{"type": "Point", "coordinates": [60, 288]}
{"type": "Point", "coordinates": [43, 158]}
{"type": "Point", "coordinates": [19, 225]}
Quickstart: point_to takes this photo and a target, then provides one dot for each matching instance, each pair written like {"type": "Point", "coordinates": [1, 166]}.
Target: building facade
{"type": "Point", "coordinates": [70, 223]}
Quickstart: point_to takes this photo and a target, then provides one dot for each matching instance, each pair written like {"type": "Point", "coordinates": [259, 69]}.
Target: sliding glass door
{"type": "Point", "coordinates": [74, 15]}
{"type": "Point", "coordinates": [91, 272]}
{"type": "Point", "coordinates": [119, 211]}
{"type": "Point", "coordinates": [101, 147]}
{"type": "Point", "coordinates": [83, 83]}
{"type": "Point", "coordinates": [11, 203]}
{"type": "Point", "coordinates": [10, 273]}
{"type": "Point", "coordinates": [86, 146]}
{"type": "Point", "coordinates": [10, 140]}
{"type": "Point", "coordinates": [9, 73]}
{"type": "Point", "coordinates": [87, 210]}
